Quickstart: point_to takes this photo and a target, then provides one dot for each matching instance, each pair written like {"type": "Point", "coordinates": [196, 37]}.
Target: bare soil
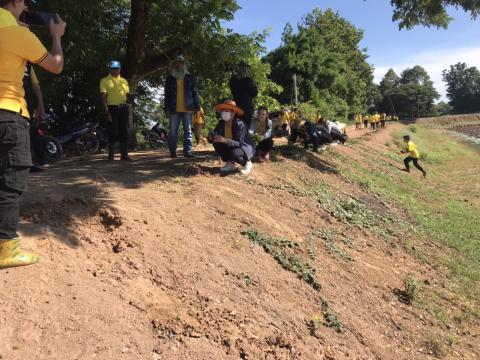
{"type": "Point", "coordinates": [146, 261]}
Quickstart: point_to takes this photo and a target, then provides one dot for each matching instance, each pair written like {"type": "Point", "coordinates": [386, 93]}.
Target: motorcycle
{"type": "Point", "coordinates": [79, 139]}
{"type": "Point", "coordinates": [156, 137]}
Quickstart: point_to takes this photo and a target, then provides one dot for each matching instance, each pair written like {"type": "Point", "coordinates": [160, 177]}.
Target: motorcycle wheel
{"type": "Point", "coordinates": [154, 141]}
{"type": "Point", "coordinates": [53, 150]}
{"type": "Point", "coordinates": [87, 144]}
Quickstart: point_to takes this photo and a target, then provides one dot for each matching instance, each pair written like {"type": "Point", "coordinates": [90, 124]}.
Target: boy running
{"type": "Point", "coordinates": [414, 156]}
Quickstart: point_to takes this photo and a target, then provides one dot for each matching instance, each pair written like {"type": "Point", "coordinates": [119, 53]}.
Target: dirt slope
{"type": "Point", "coordinates": [148, 262]}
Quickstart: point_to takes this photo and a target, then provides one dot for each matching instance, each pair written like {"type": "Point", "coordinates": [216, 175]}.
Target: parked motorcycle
{"type": "Point", "coordinates": [156, 137]}
{"type": "Point", "coordinates": [78, 139]}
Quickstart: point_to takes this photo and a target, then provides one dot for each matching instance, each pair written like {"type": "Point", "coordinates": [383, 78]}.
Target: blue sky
{"type": "Point", "coordinates": [435, 49]}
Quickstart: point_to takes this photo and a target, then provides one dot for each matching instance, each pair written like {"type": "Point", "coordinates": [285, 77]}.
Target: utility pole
{"type": "Point", "coordinates": [295, 91]}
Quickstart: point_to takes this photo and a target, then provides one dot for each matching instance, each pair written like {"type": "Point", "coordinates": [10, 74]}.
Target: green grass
{"type": "Point", "coordinates": [438, 209]}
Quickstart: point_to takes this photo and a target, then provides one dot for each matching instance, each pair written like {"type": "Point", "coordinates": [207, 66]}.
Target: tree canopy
{"type": "Point", "coordinates": [411, 94]}
{"type": "Point", "coordinates": [430, 12]}
{"type": "Point", "coordinates": [331, 68]}
{"type": "Point", "coordinates": [463, 88]}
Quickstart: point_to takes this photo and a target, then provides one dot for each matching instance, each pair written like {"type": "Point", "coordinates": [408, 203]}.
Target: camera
{"type": "Point", "coordinates": [38, 19]}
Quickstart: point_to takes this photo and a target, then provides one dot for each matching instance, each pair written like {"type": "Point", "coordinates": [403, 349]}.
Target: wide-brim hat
{"type": "Point", "coordinates": [229, 105]}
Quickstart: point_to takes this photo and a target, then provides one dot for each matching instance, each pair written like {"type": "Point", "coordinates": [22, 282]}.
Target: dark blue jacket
{"type": "Point", "coordinates": [239, 135]}
{"type": "Point", "coordinates": [191, 94]}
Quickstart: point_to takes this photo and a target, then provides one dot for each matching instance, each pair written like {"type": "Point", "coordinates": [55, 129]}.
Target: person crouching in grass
{"type": "Point", "coordinates": [230, 138]}
{"type": "Point", "coordinates": [261, 131]}
{"type": "Point", "coordinates": [414, 156]}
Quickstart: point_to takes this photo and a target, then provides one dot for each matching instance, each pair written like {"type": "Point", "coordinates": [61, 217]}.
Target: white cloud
{"type": "Point", "coordinates": [434, 61]}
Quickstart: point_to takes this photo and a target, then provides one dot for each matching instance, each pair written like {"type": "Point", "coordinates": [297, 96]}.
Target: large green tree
{"type": "Point", "coordinates": [412, 94]}
{"type": "Point", "coordinates": [430, 12]}
{"type": "Point", "coordinates": [146, 35]}
{"type": "Point", "coordinates": [329, 64]}
{"type": "Point", "coordinates": [463, 88]}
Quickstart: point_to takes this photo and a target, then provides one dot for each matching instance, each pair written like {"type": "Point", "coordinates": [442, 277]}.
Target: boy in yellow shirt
{"type": "Point", "coordinates": [414, 156]}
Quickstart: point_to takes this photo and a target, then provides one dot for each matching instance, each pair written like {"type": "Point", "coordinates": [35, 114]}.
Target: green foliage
{"type": "Point", "coordinates": [410, 285]}
{"type": "Point", "coordinates": [430, 13]}
{"type": "Point", "coordinates": [99, 31]}
{"type": "Point", "coordinates": [283, 251]}
{"type": "Point", "coordinates": [331, 68]}
{"type": "Point", "coordinates": [463, 88]}
{"type": "Point", "coordinates": [412, 94]}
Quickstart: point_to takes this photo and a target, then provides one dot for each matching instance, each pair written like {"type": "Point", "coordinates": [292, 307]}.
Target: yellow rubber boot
{"type": "Point", "coordinates": [11, 255]}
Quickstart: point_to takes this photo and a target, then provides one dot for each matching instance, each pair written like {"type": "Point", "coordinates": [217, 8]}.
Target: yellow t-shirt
{"type": "Point", "coordinates": [181, 96]}
{"type": "Point", "coordinates": [365, 118]}
{"type": "Point", "coordinates": [116, 89]}
{"type": "Point", "coordinates": [284, 118]}
{"type": "Point", "coordinates": [358, 119]}
{"type": "Point", "coordinates": [17, 46]}
{"type": "Point", "coordinates": [413, 150]}
{"type": "Point", "coordinates": [371, 118]}
{"type": "Point", "coordinates": [199, 117]}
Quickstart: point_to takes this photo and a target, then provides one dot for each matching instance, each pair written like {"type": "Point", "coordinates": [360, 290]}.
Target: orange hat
{"type": "Point", "coordinates": [229, 105]}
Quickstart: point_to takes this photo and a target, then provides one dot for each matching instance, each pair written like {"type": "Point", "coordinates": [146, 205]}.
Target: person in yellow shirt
{"type": "Point", "coordinates": [284, 121]}
{"type": "Point", "coordinates": [114, 92]}
{"type": "Point", "coordinates": [383, 119]}
{"type": "Point", "coordinates": [18, 45]}
{"type": "Point", "coordinates": [198, 123]}
{"type": "Point", "coordinates": [358, 121]}
{"type": "Point", "coordinates": [181, 100]}
{"type": "Point", "coordinates": [414, 156]}
{"type": "Point", "coordinates": [366, 118]}
{"type": "Point", "coordinates": [372, 121]}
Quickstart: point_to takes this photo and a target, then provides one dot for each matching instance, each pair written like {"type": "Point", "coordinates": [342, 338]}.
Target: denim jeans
{"type": "Point", "coordinates": [175, 119]}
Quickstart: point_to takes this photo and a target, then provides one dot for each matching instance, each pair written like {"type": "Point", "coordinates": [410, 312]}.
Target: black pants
{"type": "Point", "coordinates": [339, 136]}
{"type": "Point", "coordinates": [382, 123]}
{"type": "Point", "coordinates": [37, 146]}
{"type": "Point", "coordinates": [415, 163]}
{"type": "Point", "coordinates": [15, 162]}
{"type": "Point", "coordinates": [296, 133]}
{"type": "Point", "coordinates": [265, 146]}
{"type": "Point", "coordinates": [247, 118]}
{"type": "Point", "coordinates": [365, 123]}
{"type": "Point", "coordinates": [118, 128]}
{"type": "Point", "coordinates": [236, 155]}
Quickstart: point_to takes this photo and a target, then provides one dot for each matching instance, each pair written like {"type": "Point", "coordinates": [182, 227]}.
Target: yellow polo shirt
{"type": "Point", "coordinates": [17, 46]}
{"type": "Point", "coordinates": [116, 89]}
{"type": "Point", "coordinates": [284, 118]}
{"type": "Point", "coordinates": [412, 148]}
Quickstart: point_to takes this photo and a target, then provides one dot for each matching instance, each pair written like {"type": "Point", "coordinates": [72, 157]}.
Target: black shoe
{"type": "Point", "coordinates": [189, 155]}
{"type": "Point", "coordinates": [125, 158]}
{"type": "Point", "coordinates": [34, 169]}
{"type": "Point", "coordinates": [110, 158]}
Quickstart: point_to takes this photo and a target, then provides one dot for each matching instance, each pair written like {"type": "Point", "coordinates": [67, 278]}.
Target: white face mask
{"type": "Point", "coordinates": [226, 115]}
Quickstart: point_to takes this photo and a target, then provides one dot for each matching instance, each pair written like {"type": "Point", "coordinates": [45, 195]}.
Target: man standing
{"type": "Point", "coordinates": [17, 46]}
{"type": "Point", "coordinates": [244, 90]}
{"type": "Point", "coordinates": [114, 91]}
{"type": "Point", "coordinates": [181, 100]}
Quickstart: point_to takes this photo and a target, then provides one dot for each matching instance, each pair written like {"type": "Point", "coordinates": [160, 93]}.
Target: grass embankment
{"type": "Point", "coordinates": [445, 207]}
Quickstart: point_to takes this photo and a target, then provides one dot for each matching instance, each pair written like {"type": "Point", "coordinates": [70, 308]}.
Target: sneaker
{"type": "Point", "coordinates": [247, 168]}
{"type": "Point", "coordinates": [189, 155]}
{"type": "Point", "coordinates": [228, 167]}
{"type": "Point", "coordinates": [35, 169]}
